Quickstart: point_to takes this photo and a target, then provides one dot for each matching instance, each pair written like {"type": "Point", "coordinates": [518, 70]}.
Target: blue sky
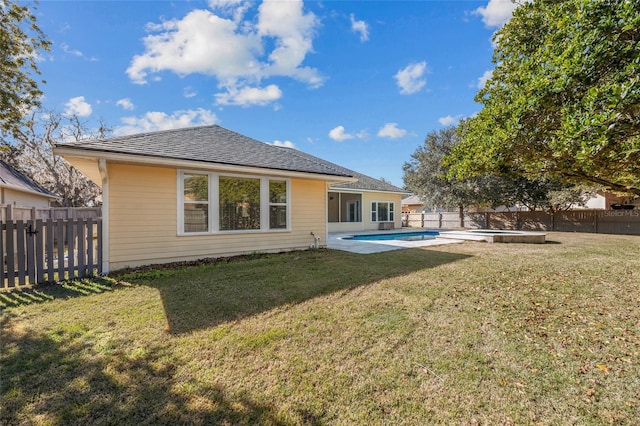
{"type": "Point", "coordinates": [358, 83]}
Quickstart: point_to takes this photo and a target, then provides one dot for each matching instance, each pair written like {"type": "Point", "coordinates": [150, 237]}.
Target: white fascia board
{"type": "Point", "coordinates": [357, 191]}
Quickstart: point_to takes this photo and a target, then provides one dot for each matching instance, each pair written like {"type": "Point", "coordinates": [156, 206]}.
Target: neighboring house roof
{"type": "Point", "coordinates": [210, 144]}
{"type": "Point", "coordinates": [11, 178]}
{"type": "Point", "coordinates": [412, 200]}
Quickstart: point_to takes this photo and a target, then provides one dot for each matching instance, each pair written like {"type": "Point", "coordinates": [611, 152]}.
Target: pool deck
{"type": "Point", "coordinates": [337, 242]}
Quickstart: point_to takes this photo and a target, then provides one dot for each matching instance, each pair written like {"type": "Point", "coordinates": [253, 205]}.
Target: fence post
{"type": "Point", "coordinates": [9, 212]}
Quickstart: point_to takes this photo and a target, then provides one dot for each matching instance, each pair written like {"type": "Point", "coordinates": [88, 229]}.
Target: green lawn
{"type": "Point", "coordinates": [470, 333]}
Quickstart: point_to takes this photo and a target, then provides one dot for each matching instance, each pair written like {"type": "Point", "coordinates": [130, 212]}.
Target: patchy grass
{"type": "Point", "coordinates": [466, 333]}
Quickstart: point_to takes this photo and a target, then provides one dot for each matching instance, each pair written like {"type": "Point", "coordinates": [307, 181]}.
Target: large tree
{"type": "Point", "coordinates": [20, 42]}
{"type": "Point", "coordinates": [426, 175]}
{"type": "Point", "coordinates": [32, 154]}
{"type": "Point", "coordinates": [564, 97]}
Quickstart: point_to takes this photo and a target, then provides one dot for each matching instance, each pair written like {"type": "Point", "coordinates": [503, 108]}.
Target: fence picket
{"type": "Point", "coordinates": [81, 253]}
{"type": "Point", "coordinates": [20, 234]}
{"type": "Point", "coordinates": [89, 247]}
{"type": "Point", "coordinates": [30, 258]}
{"type": "Point", "coordinates": [60, 240]}
{"type": "Point", "coordinates": [39, 253]}
{"type": "Point", "coordinates": [71, 251]}
{"type": "Point", "coordinates": [50, 238]}
{"type": "Point", "coordinates": [10, 261]}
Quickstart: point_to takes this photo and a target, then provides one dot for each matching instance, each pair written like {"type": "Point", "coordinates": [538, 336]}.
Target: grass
{"type": "Point", "coordinates": [470, 333]}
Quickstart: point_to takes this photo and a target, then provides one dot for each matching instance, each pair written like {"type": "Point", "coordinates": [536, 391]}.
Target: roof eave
{"type": "Point", "coordinates": [204, 165]}
{"type": "Point", "coordinates": [29, 191]}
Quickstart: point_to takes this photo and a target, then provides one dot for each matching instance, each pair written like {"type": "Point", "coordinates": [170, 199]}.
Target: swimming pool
{"type": "Point", "coordinates": [403, 236]}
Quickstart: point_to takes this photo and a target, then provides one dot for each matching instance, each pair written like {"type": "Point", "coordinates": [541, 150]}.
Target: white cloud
{"type": "Point", "coordinates": [339, 134]}
{"type": "Point", "coordinates": [201, 42]}
{"type": "Point", "coordinates": [238, 52]}
{"type": "Point", "coordinates": [497, 12]}
{"type": "Point", "coordinates": [188, 92]}
{"type": "Point", "coordinates": [247, 96]}
{"type": "Point", "coordinates": [482, 80]}
{"type": "Point", "coordinates": [78, 106]}
{"type": "Point", "coordinates": [66, 49]}
{"type": "Point", "coordinates": [75, 52]}
{"type": "Point", "coordinates": [391, 131]}
{"type": "Point", "coordinates": [411, 78]}
{"type": "Point", "coordinates": [126, 103]}
{"type": "Point", "coordinates": [286, 144]}
{"type": "Point", "coordinates": [448, 120]}
{"type": "Point", "coordinates": [360, 27]}
{"type": "Point", "coordinates": [155, 120]}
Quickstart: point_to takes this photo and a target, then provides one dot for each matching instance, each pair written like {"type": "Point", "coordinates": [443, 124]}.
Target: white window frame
{"type": "Point", "coordinates": [391, 211]}
{"type": "Point", "coordinates": [214, 203]}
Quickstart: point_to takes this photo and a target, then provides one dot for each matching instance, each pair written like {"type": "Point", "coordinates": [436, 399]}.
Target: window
{"type": "Point", "coordinates": [277, 204]}
{"type": "Point", "coordinates": [196, 203]}
{"type": "Point", "coordinates": [382, 211]}
{"type": "Point", "coordinates": [211, 203]}
{"type": "Point", "coordinates": [239, 203]}
{"type": "Point", "coordinates": [353, 211]}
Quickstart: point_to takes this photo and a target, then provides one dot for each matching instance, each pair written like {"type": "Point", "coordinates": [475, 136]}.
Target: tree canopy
{"type": "Point", "coordinates": [20, 41]}
{"type": "Point", "coordinates": [564, 98]}
{"type": "Point", "coordinates": [426, 175]}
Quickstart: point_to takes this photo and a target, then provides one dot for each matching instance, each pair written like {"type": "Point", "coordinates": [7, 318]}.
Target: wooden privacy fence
{"type": "Point", "coordinates": [11, 212]}
{"type": "Point", "coordinates": [38, 251]}
{"type": "Point", "coordinates": [595, 221]}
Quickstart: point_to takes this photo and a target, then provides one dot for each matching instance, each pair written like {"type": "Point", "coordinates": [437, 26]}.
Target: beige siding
{"type": "Point", "coordinates": [24, 199]}
{"type": "Point", "coordinates": [143, 221]}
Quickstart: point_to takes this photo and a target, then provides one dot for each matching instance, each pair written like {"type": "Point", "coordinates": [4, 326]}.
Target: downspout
{"type": "Point", "coordinates": [326, 212]}
{"type": "Point", "coordinates": [102, 167]}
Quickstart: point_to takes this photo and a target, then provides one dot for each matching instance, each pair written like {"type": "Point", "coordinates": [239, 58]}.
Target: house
{"type": "Point", "coordinates": [412, 204]}
{"type": "Point", "coordinates": [199, 192]}
{"type": "Point", "coordinates": [18, 190]}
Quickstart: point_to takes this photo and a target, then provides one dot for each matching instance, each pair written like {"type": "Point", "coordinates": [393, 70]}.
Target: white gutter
{"type": "Point", "coordinates": [177, 163]}
{"type": "Point", "coordinates": [102, 166]}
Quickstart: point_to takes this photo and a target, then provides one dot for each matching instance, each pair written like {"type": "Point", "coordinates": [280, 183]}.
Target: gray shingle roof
{"type": "Point", "coordinates": [210, 144]}
{"type": "Point", "coordinates": [364, 182]}
{"type": "Point", "coordinates": [11, 177]}
{"type": "Point", "coordinates": [215, 144]}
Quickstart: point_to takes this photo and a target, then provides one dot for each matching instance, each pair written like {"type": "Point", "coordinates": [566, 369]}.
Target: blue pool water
{"type": "Point", "coordinates": [405, 236]}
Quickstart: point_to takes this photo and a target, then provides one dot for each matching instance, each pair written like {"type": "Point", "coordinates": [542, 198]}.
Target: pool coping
{"type": "Point", "coordinates": [338, 241]}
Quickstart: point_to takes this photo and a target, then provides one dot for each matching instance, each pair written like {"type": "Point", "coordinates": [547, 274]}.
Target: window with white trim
{"type": "Point", "coordinates": [382, 211]}
{"type": "Point", "coordinates": [277, 204]}
{"type": "Point", "coordinates": [212, 203]}
{"type": "Point", "coordinates": [195, 196]}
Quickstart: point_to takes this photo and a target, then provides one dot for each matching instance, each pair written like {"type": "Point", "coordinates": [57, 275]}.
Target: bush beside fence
{"type": "Point", "coordinates": [593, 221]}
